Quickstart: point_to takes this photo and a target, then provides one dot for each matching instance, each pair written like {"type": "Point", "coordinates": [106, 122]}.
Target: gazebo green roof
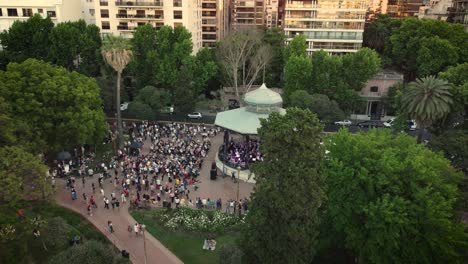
{"type": "Point", "coordinates": [246, 120]}
{"type": "Point", "coordinates": [263, 96]}
{"type": "Point", "coordinates": [241, 120]}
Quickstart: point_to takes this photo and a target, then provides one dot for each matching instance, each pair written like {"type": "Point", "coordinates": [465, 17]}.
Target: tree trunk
{"type": "Point", "coordinates": [119, 117]}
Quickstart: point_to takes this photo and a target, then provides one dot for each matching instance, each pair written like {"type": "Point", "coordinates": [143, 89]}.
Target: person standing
{"type": "Point", "coordinates": [84, 197]}
{"type": "Point", "coordinates": [136, 229]}
{"type": "Point", "coordinates": [94, 187]}
{"type": "Point", "coordinates": [122, 196]}
{"type": "Point", "coordinates": [111, 227]}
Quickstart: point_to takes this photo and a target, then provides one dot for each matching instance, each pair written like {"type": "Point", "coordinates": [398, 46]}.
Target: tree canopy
{"type": "Point", "coordinates": [56, 109]}
{"type": "Point", "coordinates": [327, 110]}
{"type": "Point", "coordinates": [391, 200]}
{"type": "Point", "coordinates": [282, 223]}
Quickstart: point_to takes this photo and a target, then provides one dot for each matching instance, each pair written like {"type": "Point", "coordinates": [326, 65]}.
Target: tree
{"type": "Point", "coordinates": [274, 70]}
{"type": "Point", "coordinates": [454, 144]}
{"type": "Point", "coordinates": [327, 72]}
{"type": "Point", "coordinates": [149, 102]}
{"type": "Point", "coordinates": [27, 39]}
{"type": "Point", "coordinates": [427, 100]}
{"type": "Point", "coordinates": [22, 177]}
{"type": "Point", "coordinates": [230, 254]}
{"type": "Point", "coordinates": [377, 33]}
{"type": "Point", "coordinates": [7, 133]}
{"type": "Point", "coordinates": [90, 60]}
{"type": "Point", "coordinates": [117, 53]}
{"type": "Point", "coordinates": [202, 68]}
{"type": "Point", "coordinates": [412, 43]}
{"type": "Point", "coordinates": [184, 94]}
{"type": "Point", "coordinates": [174, 47]}
{"type": "Point", "coordinates": [282, 223]}
{"type": "Point", "coordinates": [52, 108]}
{"type": "Point", "coordinates": [65, 44]}
{"type": "Point", "coordinates": [297, 74]}
{"type": "Point", "coordinates": [391, 200]}
{"type": "Point", "coordinates": [359, 67]}
{"type": "Point", "coordinates": [241, 57]}
{"type": "Point", "coordinates": [327, 110]}
{"type": "Point", "coordinates": [91, 252]}
{"type": "Point", "coordinates": [144, 47]}
{"type": "Point", "coordinates": [297, 47]}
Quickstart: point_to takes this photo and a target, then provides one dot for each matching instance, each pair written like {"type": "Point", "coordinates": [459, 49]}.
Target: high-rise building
{"type": "Point", "coordinates": [215, 21]}
{"type": "Point", "coordinates": [335, 26]}
{"type": "Point", "coordinates": [57, 10]}
{"type": "Point", "coordinates": [436, 9]}
{"type": "Point", "coordinates": [247, 14]}
{"type": "Point", "coordinates": [459, 12]}
{"type": "Point", "coordinates": [404, 8]}
{"type": "Point", "coordinates": [271, 13]}
{"type": "Point", "coordinates": [123, 17]}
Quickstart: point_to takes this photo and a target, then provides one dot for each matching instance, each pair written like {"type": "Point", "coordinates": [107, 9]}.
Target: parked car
{"type": "Point", "coordinates": [411, 124]}
{"type": "Point", "coordinates": [343, 123]}
{"type": "Point", "coordinates": [370, 124]}
{"type": "Point", "coordinates": [168, 110]}
{"type": "Point", "coordinates": [195, 115]}
{"type": "Point", "coordinates": [124, 106]}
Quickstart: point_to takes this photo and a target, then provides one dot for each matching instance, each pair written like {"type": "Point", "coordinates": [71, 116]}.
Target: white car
{"type": "Point", "coordinates": [343, 123]}
{"type": "Point", "coordinates": [195, 115]}
{"type": "Point", "coordinates": [389, 123]}
{"type": "Point", "coordinates": [123, 106]}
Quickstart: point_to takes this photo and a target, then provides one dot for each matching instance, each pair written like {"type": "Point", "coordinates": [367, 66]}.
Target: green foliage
{"type": "Point", "coordinates": [55, 109]}
{"type": "Point", "coordinates": [457, 76]}
{"type": "Point", "coordinates": [149, 102]}
{"type": "Point", "coordinates": [391, 200]}
{"type": "Point", "coordinates": [174, 46]}
{"type": "Point", "coordinates": [421, 47]}
{"type": "Point", "coordinates": [327, 110]}
{"type": "Point", "coordinates": [90, 58]}
{"type": "Point", "coordinates": [427, 100]}
{"type": "Point", "coordinates": [139, 109]}
{"type": "Point", "coordinates": [27, 39]}
{"type": "Point", "coordinates": [144, 55]}
{"type": "Point", "coordinates": [201, 69]}
{"type": "Point", "coordinates": [282, 223]}
{"type": "Point", "coordinates": [275, 38]}
{"type": "Point", "coordinates": [184, 94]}
{"type": "Point", "coordinates": [91, 252]}
{"type": "Point", "coordinates": [65, 40]}
{"type": "Point", "coordinates": [297, 74]}
{"type": "Point", "coordinates": [230, 254]}
{"type": "Point", "coordinates": [454, 144]}
{"type": "Point", "coordinates": [57, 233]}
{"type": "Point", "coordinates": [297, 47]}
{"type": "Point", "coordinates": [326, 72]}
{"type": "Point", "coordinates": [378, 32]}
{"type": "Point", "coordinates": [359, 67]}
{"type": "Point", "coordinates": [7, 133]}
{"type": "Point", "coordinates": [22, 176]}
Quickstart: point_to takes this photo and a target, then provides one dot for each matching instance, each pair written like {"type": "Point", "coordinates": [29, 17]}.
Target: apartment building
{"type": "Point", "coordinates": [272, 18]}
{"type": "Point", "coordinates": [123, 17]}
{"type": "Point", "coordinates": [436, 9]}
{"type": "Point", "coordinates": [334, 26]}
{"type": "Point", "coordinates": [404, 8]}
{"type": "Point", "coordinates": [215, 21]}
{"type": "Point", "coordinates": [247, 14]}
{"type": "Point", "coordinates": [459, 12]}
{"type": "Point", "coordinates": [57, 10]}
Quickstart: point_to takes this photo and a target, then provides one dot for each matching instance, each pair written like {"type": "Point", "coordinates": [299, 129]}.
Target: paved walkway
{"type": "Point", "coordinates": [222, 188]}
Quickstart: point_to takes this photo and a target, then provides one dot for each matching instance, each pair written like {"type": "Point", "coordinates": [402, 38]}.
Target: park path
{"type": "Point", "coordinates": [157, 253]}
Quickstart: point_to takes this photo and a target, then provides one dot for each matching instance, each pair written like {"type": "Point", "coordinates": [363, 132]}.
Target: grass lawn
{"type": "Point", "coordinates": [186, 246]}
{"type": "Point", "coordinates": [25, 248]}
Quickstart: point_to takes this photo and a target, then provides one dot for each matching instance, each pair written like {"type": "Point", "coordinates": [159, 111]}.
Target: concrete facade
{"type": "Point", "coordinates": [334, 26]}
{"type": "Point", "coordinates": [375, 90]}
{"type": "Point", "coordinates": [57, 10]}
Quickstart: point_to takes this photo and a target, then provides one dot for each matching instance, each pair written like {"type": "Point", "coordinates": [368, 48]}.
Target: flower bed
{"type": "Point", "coordinates": [197, 220]}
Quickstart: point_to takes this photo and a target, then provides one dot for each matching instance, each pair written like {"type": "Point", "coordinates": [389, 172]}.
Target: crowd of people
{"type": "Point", "coordinates": [241, 153]}
{"type": "Point", "coordinates": [165, 174]}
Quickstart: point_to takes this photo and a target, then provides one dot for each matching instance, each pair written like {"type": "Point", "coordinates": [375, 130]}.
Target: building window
{"type": "Point", "coordinates": [40, 10]}
{"type": "Point", "coordinates": [12, 12]}
{"type": "Point", "coordinates": [103, 3]}
{"type": "Point", "coordinates": [51, 14]}
{"type": "Point", "coordinates": [374, 89]}
{"type": "Point", "coordinates": [1, 12]}
{"type": "Point", "coordinates": [27, 12]}
{"type": "Point", "coordinates": [91, 12]}
{"type": "Point", "coordinates": [177, 3]}
{"type": "Point", "coordinates": [177, 14]}
{"type": "Point", "coordinates": [104, 13]}
{"type": "Point", "coordinates": [105, 25]}
{"type": "Point", "coordinates": [177, 24]}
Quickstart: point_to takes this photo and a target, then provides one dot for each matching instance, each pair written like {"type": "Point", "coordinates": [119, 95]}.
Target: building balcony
{"type": "Point", "coordinates": [139, 4]}
{"type": "Point", "coordinates": [126, 28]}
{"type": "Point", "coordinates": [138, 16]}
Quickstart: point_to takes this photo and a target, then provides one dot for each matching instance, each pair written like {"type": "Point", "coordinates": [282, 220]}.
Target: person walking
{"type": "Point", "coordinates": [111, 227]}
{"type": "Point", "coordinates": [122, 196]}
{"type": "Point", "coordinates": [93, 202]}
{"type": "Point", "coordinates": [84, 197]}
{"type": "Point", "coordinates": [94, 187]}
{"type": "Point", "coordinates": [136, 229]}
{"type": "Point", "coordinates": [102, 191]}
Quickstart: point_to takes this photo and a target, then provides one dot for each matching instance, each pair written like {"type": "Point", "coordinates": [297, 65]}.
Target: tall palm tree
{"type": "Point", "coordinates": [117, 53]}
{"type": "Point", "coordinates": [428, 99]}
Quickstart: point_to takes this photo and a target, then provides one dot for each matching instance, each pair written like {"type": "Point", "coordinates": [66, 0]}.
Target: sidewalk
{"type": "Point", "coordinates": [121, 219]}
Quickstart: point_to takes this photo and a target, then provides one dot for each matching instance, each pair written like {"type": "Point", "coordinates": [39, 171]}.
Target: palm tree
{"type": "Point", "coordinates": [117, 53]}
{"type": "Point", "coordinates": [428, 99]}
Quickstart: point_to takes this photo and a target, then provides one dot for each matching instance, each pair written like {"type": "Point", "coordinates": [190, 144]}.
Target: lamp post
{"type": "Point", "coordinates": [143, 227]}
{"type": "Point", "coordinates": [238, 181]}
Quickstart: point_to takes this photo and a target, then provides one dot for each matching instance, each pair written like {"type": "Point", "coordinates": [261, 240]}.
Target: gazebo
{"type": "Point", "coordinates": [258, 104]}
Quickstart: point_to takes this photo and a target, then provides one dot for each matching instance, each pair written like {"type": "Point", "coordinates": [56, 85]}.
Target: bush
{"type": "Point", "coordinates": [89, 252]}
{"type": "Point", "coordinates": [230, 254]}
{"type": "Point", "coordinates": [197, 220]}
